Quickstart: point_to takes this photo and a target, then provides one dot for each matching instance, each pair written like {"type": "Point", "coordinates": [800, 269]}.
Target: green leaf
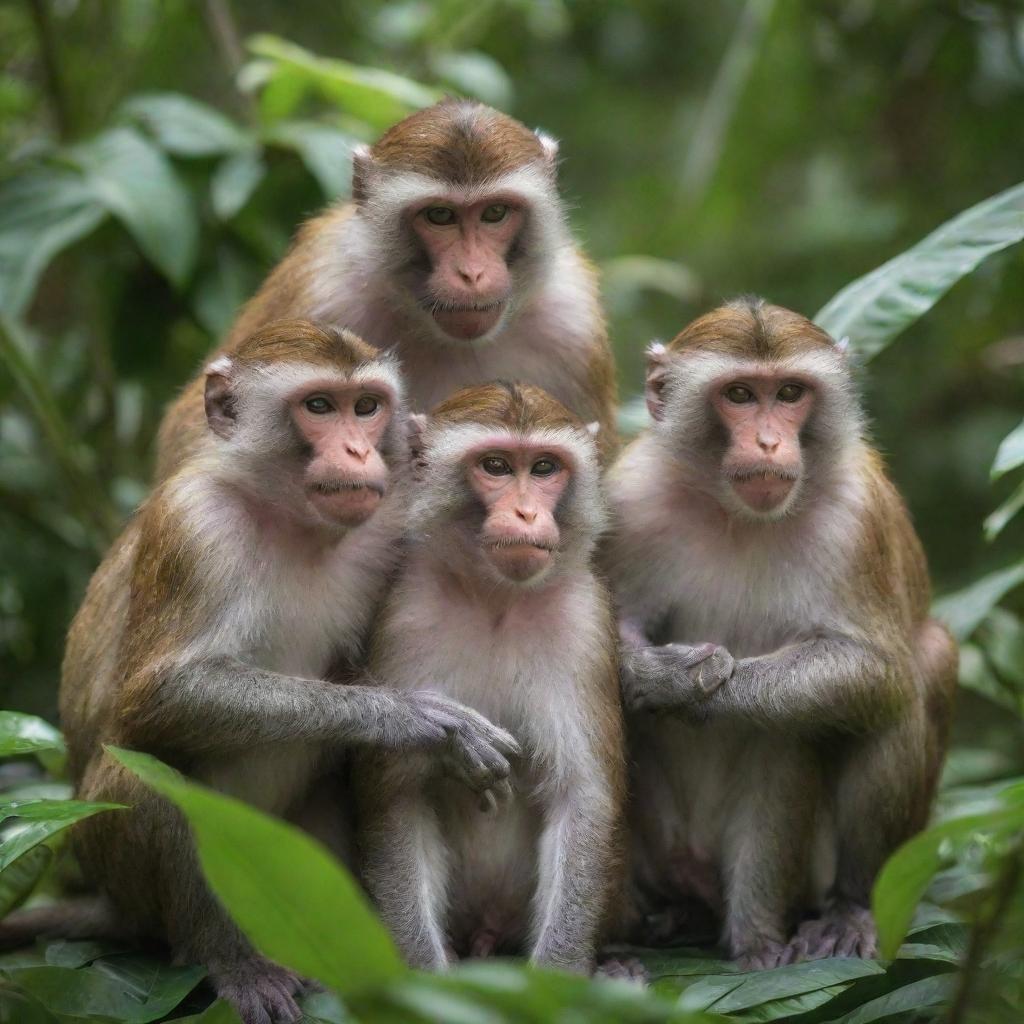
{"type": "Point", "coordinates": [223, 1013]}
{"type": "Point", "coordinates": [1011, 452]}
{"type": "Point", "coordinates": [913, 998]}
{"type": "Point", "coordinates": [235, 180]}
{"type": "Point", "coordinates": [26, 734]}
{"type": "Point", "coordinates": [977, 675]}
{"type": "Point", "coordinates": [995, 522]}
{"type": "Point", "coordinates": [185, 126]}
{"type": "Point", "coordinates": [19, 879]}
{"type": "Point", "coordinates": [905, 876]}
{"type": "Point", "coordinates": [46, 818]}
{"type": "Point", "coordinates": [296, 904]}
{"type": "Point", "coordinates": [326, 152]}
{"type": "Point", "coordinates": [732, 993]}
{"type": "Point", "coordinates": [130, 989]}
{"type": "Point", "coordinates": [18, 1008]}
{"type": "Point", "coordinates": [137, 184]}
{"type": "Point", "coordinates": [377, 97]}
{"type": "Point", "coordinates": [964, 611]}
{"type": "Point", "coordinates": [41, 213]}
{"type": "Point", "coordinates": [475, 73]}
{"type": "Point", "coordinates": [875, 308]}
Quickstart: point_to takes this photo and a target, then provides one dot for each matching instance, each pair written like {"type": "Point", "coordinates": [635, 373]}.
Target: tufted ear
{"type": "Point", "coordinates": [363, 168]}
{"type": "Point", "coordinates": [550, 147]}
{"type": "Point", "coordinates": [219, 397]}
{"type": "Point", "coordinates": [656, 378]}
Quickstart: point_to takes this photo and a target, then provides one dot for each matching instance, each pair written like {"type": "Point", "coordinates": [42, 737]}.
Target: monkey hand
{"type": "Point", "coordinates": [470, 747]}
{"type": "Point", "coordinates": [674, 679]}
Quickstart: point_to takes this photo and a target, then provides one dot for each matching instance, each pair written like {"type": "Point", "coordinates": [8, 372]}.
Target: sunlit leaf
{"type": "Point", "coordinates": [326, 152]}
{"type": "Point", "coordinates": [185, 126]}
{"type": "Point", "coordinates": [235, 180]}
{"type": "Point", "coordinates": [130, 989]}
{"type": "Point", "coordinates": [41, 213]}
{"type": "Point", "coordinates": [138, 185]}
{"type": "Point", "coordinates": [377, 97]}
{"type": "Point", "coordinates": [475, 73]}
{"type": "Point", "coordinates": [875, 308]}
{"type": "Point", "coordinates": [964, 611]}
{"type": "Point", "coordinates": [294, 901]}
{"type": "Point", "coordinates": [1011, 452]}
{"type": "Point", "coordinates": [26, 734]}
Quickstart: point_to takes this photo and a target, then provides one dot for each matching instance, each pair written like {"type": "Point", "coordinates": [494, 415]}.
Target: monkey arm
{"type": "Point", "coordinates": [828, 682]}
{"type": "Point", "coordinates": [221, 705]}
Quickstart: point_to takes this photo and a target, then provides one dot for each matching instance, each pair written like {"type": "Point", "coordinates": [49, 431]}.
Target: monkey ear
{"type": "Point", "coordinates": [416, 425]}
{"type": "Point", "coordinates": [550, 147]}
{"type": "Point", "coordinates": [362, 170]}
{"type": "Point", "coordinates": [219, 399]}
{"type": "Point", "coordinates": [657, 376]}
{"type": "Point", "coordinates": [594, 428]}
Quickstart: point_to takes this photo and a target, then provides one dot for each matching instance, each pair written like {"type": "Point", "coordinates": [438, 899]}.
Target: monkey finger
{"type": "Point", "coordinates": [488, 801]}
{"type": "Point", "coordinates": [691, 656]}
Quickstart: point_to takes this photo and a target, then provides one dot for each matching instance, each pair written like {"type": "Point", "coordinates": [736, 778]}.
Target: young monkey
{"type": "Point", "coordinates": [774, 612]}
{"type": "Point", "coordinates": [215, 632]}
{"type": "Point", "coordinates": [499, 606]}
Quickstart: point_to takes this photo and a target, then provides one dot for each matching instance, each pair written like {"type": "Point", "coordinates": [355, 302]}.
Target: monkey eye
{"type": "Point", "coordinates": [318, 405]}
{"type": "Point", "coordinates": [495, 465]}
{"type": "Point", "coordinates": [739, 395]}
{"type": "Point", "coordinates": [440, 215]}
{"type": "Point", "coordinates": [544, 467]}
{"type": "Point", "coordinates": [366, 405]}
{"type": "Point", "coordinates": [791, 392]}
{"type": "Point", "coordinates": [495, 213]}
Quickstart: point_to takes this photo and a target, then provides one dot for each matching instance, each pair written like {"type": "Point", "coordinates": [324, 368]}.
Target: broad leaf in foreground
{"type": "Point", "coordinates": [27, 734]}
{"type": "Point", "coordinates": [964, 611]}
{"type": "Point", "coordinates": [44, 818]}
{"type": "Point", "coordinates": [185, 126]}
{"type": "Point", "coordinates": [875, 308]}
{"type": "Point", "coordinates": [293, 900]}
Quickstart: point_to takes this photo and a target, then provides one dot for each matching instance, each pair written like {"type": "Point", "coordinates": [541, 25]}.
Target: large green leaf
{"type": "Point", "coordinates": [875, 308]}
{"type": "Point", "coordinates": [913, 998]}
{"type": "Point", "coordinates": [19, 879]}
{"type": "Point", "coordinates": [41, 212]}
{"type": "Point", "coordinates": [44, 818]}
{"type": "Point", "coordinates": [296, 904]}
{"type": "Point", "coordinates": [1011, 452]}
{"type": "Point", "coordinates": [235, 180]}
{"type": "Point", "coordinates": [185, 126]}
{"type": "Point", "coordinates": [797, 984]}
{"type": "Point", "coordinates": [905, 876]}
{"type": "Point", "coordinates": [137, 184]}
{"type": "Point", "coordinates": [964, 611]}
{"type": "Point", "coordinates": [377, 97]}
{"type": "Point", "coordinates": [131, 989]}
{"type": "Point", "coordinates": [995, 522]}
{"type": "Point", "coordinates": [26, 734]}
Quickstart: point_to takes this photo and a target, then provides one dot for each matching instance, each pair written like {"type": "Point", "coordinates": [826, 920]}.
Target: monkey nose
{"type": "Point", "coordinates": [528, 515]}
{"type": "Point", "coordinates": [471, 275]}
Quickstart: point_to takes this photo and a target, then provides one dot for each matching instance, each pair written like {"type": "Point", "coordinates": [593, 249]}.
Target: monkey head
{"type": "Point", "coordinates": [309, 420]}
{"type": "Point", "coordinates": [465, 202]}
{"type": "Point", "coordinates": [758, 403]}
{"type": "Point", "coordinates": [507, 483]}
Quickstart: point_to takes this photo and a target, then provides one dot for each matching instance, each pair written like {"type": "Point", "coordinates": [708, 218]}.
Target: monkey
{"type": "Point", "coordinates": [788, 696]}
{"type": "Point", "coordinates": [220, 632]}
{"type": "Point", "coordinates": [499, 605]}
{"type": "Point", "coordinates": [454, 254]}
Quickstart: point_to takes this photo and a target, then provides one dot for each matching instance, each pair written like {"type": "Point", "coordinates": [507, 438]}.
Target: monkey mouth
{"type": "Point", "coordinates": [346, 502]}
{"type": "Point", "coordinates": [520, 559]}
{"type": "Point", "coordinates": [764, 489]}
{"type": "Point", "coordinates": [466, 320]}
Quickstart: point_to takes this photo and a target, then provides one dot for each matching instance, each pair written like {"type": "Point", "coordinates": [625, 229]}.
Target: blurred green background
{"type": "Point", "coordinates": [708, 149]}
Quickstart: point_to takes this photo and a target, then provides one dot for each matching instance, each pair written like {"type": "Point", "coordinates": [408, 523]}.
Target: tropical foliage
{"type": "Point", "coordinates": [713, 148]}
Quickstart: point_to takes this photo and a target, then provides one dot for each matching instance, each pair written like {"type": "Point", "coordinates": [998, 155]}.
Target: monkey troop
{"type": "Point", "coordinates": [326, 594]}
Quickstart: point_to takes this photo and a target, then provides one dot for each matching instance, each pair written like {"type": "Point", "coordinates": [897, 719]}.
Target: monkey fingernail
{"type": "Point", "coordinates": [488, 801]}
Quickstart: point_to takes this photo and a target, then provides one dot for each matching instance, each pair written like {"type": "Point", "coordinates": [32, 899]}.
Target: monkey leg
{"type": "Point", "coordinates": [883, 796]}
{"type": "Point", "coordinates": [767, 849]}
{"type": "Point", "coordinates": [145, 860]}
{"type": "Point", "coordinates": [405, 862]}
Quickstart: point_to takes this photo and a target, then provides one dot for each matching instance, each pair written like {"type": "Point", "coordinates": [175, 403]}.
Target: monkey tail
{"type": "Point", "coordinates": [85, 917]}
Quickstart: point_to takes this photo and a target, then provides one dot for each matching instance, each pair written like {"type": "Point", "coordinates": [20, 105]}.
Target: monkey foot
{"type": "Point", "coordinates": [765, 956]}
{"type": "Point", "coordinates": [844, 930]}
{"type": "Point", "coordinates": [260, 991]}
{"type": "Point", "coordinates": [483, 942]}
{"type": "Point", "coordinates": [626, 968]}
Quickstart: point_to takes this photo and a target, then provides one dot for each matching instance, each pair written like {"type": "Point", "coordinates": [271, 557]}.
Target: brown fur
{"type": "Point", "coordinates": [517, 407]}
